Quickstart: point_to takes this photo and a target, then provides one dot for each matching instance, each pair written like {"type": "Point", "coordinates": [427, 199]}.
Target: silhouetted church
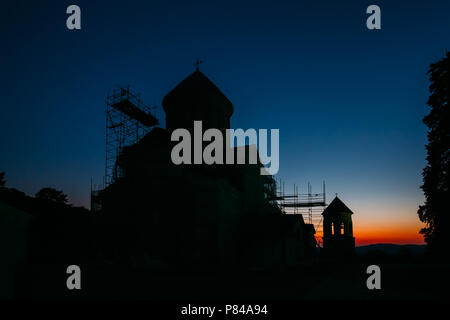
{"type": "Point", "coordinates": [338, 237]}
{"type": "Point", "coordinates": [197, 215]}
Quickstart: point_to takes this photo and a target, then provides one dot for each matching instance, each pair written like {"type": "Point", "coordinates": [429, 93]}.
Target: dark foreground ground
{"type": "Point", "coordinates": [318, 281]}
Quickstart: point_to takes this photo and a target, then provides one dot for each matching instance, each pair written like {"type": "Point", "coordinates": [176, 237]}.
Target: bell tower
{"type": "Point", "coordinates": [338, 237]}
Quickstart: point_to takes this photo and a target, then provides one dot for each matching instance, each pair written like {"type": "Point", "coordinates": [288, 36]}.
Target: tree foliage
{"type": "Point", "coordinates": [51, 194]}
{"type": "Point", "coordinates": [2, 179]}
{"type": "Point", "coordinates": [435, 211]}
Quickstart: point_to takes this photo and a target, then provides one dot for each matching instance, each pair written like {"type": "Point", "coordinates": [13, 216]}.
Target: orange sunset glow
{"type": "Point", "coordinates": [396, 235]}
{"type": "Point", "coordinates": [365, 235]}
{"type": "Point", "coordinates": [398, 231]}
{"type": "Point", "coordinates": [395, 223]}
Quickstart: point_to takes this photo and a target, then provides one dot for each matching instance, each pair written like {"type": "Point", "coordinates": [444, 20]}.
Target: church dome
{"type": "Point", "coordinates": [197, 98]}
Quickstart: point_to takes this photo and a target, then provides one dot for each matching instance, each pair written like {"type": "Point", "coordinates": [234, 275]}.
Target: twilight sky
{"type": "Point", "coordinates": [348, 101]}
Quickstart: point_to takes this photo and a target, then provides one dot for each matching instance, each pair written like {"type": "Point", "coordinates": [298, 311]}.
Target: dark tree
{"type": "Point", "coordinates": [51, 194]}
{"type": "Point", "coordinates": [2, 179]}
{"type": "Point", "coordinates": [435, 212]}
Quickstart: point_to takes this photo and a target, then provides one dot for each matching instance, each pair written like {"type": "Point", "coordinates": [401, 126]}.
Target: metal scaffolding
{"type": "Point", "coordinates": [128, 119]}
{"type": "Point", "coordinates": [309, 205]}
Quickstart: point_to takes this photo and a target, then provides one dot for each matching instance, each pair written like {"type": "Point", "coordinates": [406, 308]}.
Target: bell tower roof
{"type": "Point", "coordinates": [335, 207]}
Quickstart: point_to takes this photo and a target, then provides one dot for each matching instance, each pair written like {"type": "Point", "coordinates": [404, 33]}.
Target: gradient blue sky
{"type": "Point", "coordinates": [348, 101]}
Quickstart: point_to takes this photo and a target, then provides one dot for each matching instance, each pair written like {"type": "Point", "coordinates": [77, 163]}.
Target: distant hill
{"type": "Point", "coordinates": [391, 249]}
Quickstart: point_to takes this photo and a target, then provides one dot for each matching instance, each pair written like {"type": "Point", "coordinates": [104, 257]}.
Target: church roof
{"type": "Point", "coordinates": [336, 206]}
{"type": "Point", "coordinates": [196, 87]}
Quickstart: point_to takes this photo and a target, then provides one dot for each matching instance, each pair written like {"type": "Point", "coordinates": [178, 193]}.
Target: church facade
{"type": "Point", "coordinates": [198, 215]}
